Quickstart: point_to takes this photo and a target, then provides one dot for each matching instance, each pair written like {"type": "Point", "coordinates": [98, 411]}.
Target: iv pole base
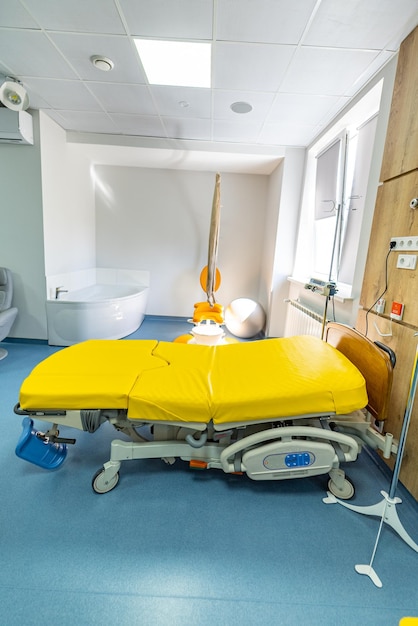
{"type": "Point", "coordinates": [385, 509]}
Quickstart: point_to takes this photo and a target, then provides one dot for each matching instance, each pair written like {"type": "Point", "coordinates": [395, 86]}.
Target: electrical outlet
{"type": "Point", "coordinates": [407, 261]}
{"type": "Point", "coordinates": [403, 244]}
{"type": "Point", "coordinates": [380, 306]}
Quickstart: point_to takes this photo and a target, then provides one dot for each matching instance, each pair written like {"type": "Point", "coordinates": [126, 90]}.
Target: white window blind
{"type": "Point", "coordinates": [327, 201]}
{"type": "Point", "coordinates": [356, 200]}
{"type": "Point", "coordinates": [327, 181]}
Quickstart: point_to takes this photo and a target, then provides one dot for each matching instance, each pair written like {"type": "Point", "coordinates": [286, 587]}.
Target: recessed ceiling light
{"type": "Point", "coordinates": [175, 63]}
{"type": "Point", "coordinates": [241, 107]}
{"type": "Point", "coordinates": [102, 63]}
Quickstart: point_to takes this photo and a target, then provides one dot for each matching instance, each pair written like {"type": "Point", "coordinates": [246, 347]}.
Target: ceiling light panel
{"type": "Point", "coordinates": [175, 63]}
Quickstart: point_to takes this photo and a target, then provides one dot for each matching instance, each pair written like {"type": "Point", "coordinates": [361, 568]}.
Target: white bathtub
{"type": "Point", "coordinates": [100, 311]}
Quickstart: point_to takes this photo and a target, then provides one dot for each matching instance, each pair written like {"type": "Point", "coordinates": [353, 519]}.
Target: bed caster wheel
{"type": "Point", "coordinates": [345, 491]}
{"type": "Point", "coordinates": [101, 484]}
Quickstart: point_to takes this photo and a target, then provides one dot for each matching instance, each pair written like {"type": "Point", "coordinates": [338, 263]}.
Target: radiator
{"type": "Point", "coordinates": [300, 320]}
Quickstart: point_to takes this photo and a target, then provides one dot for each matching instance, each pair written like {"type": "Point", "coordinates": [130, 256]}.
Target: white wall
{"type": "Point", "coordinates": [21, 233]}
{"type": "Point", "coordinates": [68, 203]}
{"type": "Point", "coordinates": [159, 219]}
{"type": "Point", "coordinates": [287, 191]}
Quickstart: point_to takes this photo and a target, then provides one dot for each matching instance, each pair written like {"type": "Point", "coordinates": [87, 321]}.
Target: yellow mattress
{"type": "Point", "coordinates": [95, 374]}
{"type": "Point", "coordinates": [179, 382]}
{"type": "Point", "coordinates": [295, 375]}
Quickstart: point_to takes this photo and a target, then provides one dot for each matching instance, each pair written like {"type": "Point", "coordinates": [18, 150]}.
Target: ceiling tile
{"type": "Point", "coordinates": [148, 126]}
{"type": "Point", "coordinates": [182, 101]}
{"type": "Point", "coordinates": [325, 71]}
{"type": "Point", "coordinates": [12, 13]}
{"type": "Point", "coordinates": [91, 16]}
{"type": "Point", "coordinates": [36, 101]}
{"type": "Point", "coordinates": [79, 49]}
{"type": "Point", "coordinates": [380, 60]}
{"type": "Point", "coordinates": [295, 108]}
{"type": "Point", "coordinates": [85, 121]}
{"type": "Point", "coordinates": [31, 53]}
{"type": "Point", "coordinates": [222, 100]}
{"type": "Point", "coordinates": [297, 63]}
{"type": "Point", "coordinates": [250, 67]}
{"type": "Point", "coordinates": [225, 130]}
{"type": "Point", "coordinates": [374, 23]}
{"type": "Point", "coordinates": [283, 134]}
{"type": "Point", "coordinates": [181, 19]}
{"type": "Point", "coordinates": [63, 94]}
{"type": "Point", "coordinates": [120, 98]}
{"type": "Point", "coordinates": [181, 128]}
{"type": "Point", "coordinates": [271, 21]}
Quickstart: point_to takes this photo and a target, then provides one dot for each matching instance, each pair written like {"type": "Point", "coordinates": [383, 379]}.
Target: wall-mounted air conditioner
{"type": "Point", "coordinates": [15, 126]}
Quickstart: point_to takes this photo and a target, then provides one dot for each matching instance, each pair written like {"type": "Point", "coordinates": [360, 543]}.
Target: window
{"type": "Point", "coordinates": [334, 197]}
{"type": "Point", "coordinates": [328, 202]}
{"type": "Point", "coordinates": [361, 158]}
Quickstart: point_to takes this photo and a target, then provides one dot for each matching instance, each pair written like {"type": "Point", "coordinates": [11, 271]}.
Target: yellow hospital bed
{"type": "Point", "coordinates": [272, 409]}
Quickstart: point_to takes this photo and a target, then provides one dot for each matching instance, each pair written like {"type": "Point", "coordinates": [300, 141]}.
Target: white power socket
{"type": "Point", "coordinates": [407, 261]}
{"type": "Point", "coordinates": [403, 244]}
{"type": "Point", "coordinates": [380, 306]}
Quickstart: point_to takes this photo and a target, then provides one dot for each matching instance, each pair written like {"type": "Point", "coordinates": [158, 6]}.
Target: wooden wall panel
{"type": "Point", "coordinates": [403, 343]}
{"type": "Point", "coordinates": [401, 146]}
{"type": "Point", "coordinates": [392, 218]}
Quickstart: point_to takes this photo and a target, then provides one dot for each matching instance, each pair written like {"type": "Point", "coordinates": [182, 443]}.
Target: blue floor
{"type": "Point", "coordinates": [171, 546]}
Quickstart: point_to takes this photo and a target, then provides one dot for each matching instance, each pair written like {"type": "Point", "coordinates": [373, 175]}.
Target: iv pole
{"type": "Point", "coordinates": [330, 289]}
{"type": "Point", "coordinates": [386, 508]}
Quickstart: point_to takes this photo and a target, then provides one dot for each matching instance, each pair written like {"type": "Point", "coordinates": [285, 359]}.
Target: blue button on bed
{"type": "Point", "coordinates": [299, 459]}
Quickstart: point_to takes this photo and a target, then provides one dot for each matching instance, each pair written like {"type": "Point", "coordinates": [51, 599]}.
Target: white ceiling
{"type": "Point", "coordinates": [297, 62]}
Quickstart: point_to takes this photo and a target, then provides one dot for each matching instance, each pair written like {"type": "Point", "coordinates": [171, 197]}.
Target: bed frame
{"type": "Point", "coordinates": [284, 448]}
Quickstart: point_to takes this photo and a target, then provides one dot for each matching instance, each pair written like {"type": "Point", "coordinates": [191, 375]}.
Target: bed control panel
{"type": "Point", "coordinates": [293, 459]}
{"type": "Point", "coordinates": [299, 459]}
{"type": "Point", "coordinates": [288, 459]}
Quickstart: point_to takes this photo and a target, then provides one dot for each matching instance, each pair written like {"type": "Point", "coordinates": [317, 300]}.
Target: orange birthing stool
{"type": "Point", "coordinates": [209, 310]}
{"type": "Point", "coordinates": [206, 311]}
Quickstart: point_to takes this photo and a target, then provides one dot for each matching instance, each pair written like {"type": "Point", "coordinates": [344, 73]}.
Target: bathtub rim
{"type": "Point", "coordinates": [73, 321]}
{"type": "Point", "coordinates": [66, 299]}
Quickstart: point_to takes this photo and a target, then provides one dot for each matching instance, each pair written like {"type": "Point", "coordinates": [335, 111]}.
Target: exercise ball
{"type": "Point", "coordinates": [245, 318]}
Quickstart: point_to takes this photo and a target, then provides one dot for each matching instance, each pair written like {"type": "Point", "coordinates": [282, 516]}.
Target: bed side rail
{"type": "Point", "coordinates": [374, 361]}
